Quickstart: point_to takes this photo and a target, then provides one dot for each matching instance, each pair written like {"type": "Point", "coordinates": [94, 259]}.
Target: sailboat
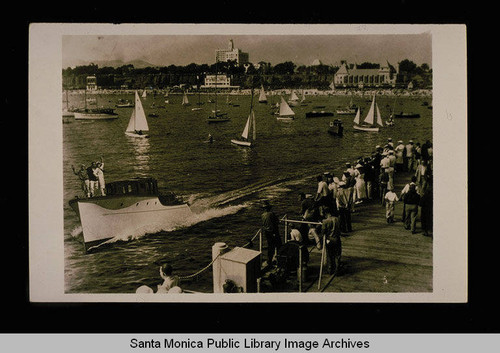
{"type": "Point", "coordinates": [138, 123]}
{"type": "Point", "coordinates": [293, 100]}
{"type": "Point", "coordinates": [369, 123]}
{"type": "Point", "coordinates": [285, 113]}
{"type": "Point", "coordinates": [67, 113]}
{"type": "Point", "coordinates": [262, 95]}
{"type": "Point", "coordinates": [144, 94]}
{"type": "Point", "coordinates": [217, 117]}
{"type": "Point", "coordinates": [250, 125]}
{"type": "Point", "coordinates": [95, 113]}
{"type": "Point", "coordinates": [350, 109]}
{"type": "Point", "coordinates": [185, 100]}
{"type": "Point", "coordinates": [303, 99]}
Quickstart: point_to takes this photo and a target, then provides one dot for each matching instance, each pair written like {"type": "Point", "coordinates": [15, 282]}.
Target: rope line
{"type": "Point", "coordinates": [211, 263]}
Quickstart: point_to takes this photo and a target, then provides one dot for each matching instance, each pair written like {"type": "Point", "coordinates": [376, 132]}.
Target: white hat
{"type": "Point", "coordinates": [295, 234]}
{"type": "Point", "coordinates": [144, 290]}
{"type": "Point", "coordinates": [359, 166]}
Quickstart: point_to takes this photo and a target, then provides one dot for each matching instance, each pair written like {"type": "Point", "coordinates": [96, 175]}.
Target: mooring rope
{"type": "Point", "coordinates": [211, 263]}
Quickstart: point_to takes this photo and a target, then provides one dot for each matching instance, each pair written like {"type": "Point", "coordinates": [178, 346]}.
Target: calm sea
{"type": "Point", "coordinates": [224, 184]}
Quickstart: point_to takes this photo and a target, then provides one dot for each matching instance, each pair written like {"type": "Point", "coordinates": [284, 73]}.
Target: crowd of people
{"type": "Point", "coordinates": [92, 178]}
{"type": "Point", "coordinates": [369, 179]}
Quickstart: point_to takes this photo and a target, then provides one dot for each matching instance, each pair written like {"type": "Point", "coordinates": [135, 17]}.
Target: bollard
{"type": "Point", "coordinates": [217, 250]}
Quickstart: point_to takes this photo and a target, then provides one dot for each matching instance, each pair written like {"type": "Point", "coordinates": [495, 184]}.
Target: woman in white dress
{"type": "Point", "coordinates": [360, 186]}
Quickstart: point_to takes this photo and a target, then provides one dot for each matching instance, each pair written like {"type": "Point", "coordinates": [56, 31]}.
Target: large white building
{"type": "Point", "coordinates": [352, 76]}
{"type": "Point", "coordinates": [231, 54]}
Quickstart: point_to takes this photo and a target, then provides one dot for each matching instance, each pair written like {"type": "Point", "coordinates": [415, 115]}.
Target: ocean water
{"type": "Point", "coordinates": [224, 184]}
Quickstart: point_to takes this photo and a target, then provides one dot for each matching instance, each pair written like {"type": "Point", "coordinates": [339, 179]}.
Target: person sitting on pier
{"type": "Point", "coordinates": [330, 230]}
{"type": "Point", "coordinates": [169, 281]}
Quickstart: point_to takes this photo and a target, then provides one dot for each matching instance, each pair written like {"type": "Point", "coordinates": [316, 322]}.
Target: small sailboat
{"type": "Point", "coordinates": [67, 113]}
{"type": "Point", "coordinates": [250, 125]}
{"type": "Point", "coordinates": [350, 109]}
{"type": "Point", "coordinates": [185, 100]}
{"type": "Point", "coordinates": [369, 123]}
{"type": "Point", "coordinates": [144, 94]}
{"type": "Point", "coordinates": [285, 113]}
{"type": "Point", "coordinates": [293, 100]}
{"type": "Point", "coordinates": [303, 99]}
{"type": "Point", "coordinates": [94, 113]}
{"type": "Point", "coordinates": [138, 123]}
{"type": "Point", "coordinates": [262, 95]}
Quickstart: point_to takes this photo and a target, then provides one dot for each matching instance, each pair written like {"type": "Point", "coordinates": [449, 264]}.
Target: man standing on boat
{"type": "Point", "coordinates": [99, 173]}
{"type": "Point", "coordinates": [270, 230]}
{"type": "Point", "coordinates": [84, 178]}
{"type": "Point", "coordinates": [92, 179]}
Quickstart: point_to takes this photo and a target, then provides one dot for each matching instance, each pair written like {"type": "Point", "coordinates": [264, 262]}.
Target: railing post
{"type": "Point", "coordinates": [286, 228]}
{"type": "Point", "coordinates": [217, 249]}
{"type": "Point", "coordinates": [299, 272]}
{"type": "Point", "coordinates": [260, 246]}
{"type": "Point", "coordinates": [322, 259]}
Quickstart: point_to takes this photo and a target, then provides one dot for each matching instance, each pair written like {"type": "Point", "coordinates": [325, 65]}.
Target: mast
{"type": "Point", "coordinates": [252, 116]}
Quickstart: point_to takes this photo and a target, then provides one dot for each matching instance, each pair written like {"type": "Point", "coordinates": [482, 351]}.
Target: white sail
{"type": "Point", "coordinates": [185, 99]}
{"type": "Point", "coordinates": [303, 97]}
{"type": "Point", "coordinates": [293, 96]}
{"type": "Point", "coordinates": [371, 113]}
{"type": "Point", "coordinates": [144, 94]}
{"type": "Point", "coordinates": [137, 120]}
{"type": "Point", "coordinates": [285, 109]}
{"type": "Point", "coordinates": [247, 127]}
{"type": "Point", "coordinates": [379, 118]}
{"type": "Point", "coordinates": [356, 119]}
{"type": "Point", "coordinates": [262, 95]}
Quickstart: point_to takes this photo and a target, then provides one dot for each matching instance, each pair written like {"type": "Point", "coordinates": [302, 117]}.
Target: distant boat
{"type": "Point", "coordinates": [303, 99]}
{"type": "Point", "coordinates": [350, 109]}
{"type": "Point", "coordinates": [217, 117]}
{"type": "Point", "coordinates": [336, 128]}
{"type": "Point", "coordinates": [138, 123]}
{"type": "Point", "coordinates": [285, 113]}
{"type": "Point", "coordinates": [293, 100]}
{"type": "Point", "coordinates": [67, 113]}
{"type": "Point", "coordinates": [407, 115]}
{"type": "Point", "coordinates": [369, 122]}
{"type": "Point", "coordinates": [95, 113]}
{"type": "Point", "coordinates": [185, 100]}
{"type": "Point", "coordinates": [250, 125]}
{"type": "Point", "coordinates": [315, 114]}
{"type": "Point", "coordinates": [144, 94]}
{"type": "Point", "coordinates": [262, 95]}
{"type": "Point", "coordinates": [124, 103]}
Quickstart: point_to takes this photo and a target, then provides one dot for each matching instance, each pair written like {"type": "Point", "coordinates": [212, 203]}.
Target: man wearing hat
{"type": "Point", "coordinates": [344, 205]}
{"type": "Point", "coordinates": [399, 150]}
{"type": "Point", "coordinates": [410, 156]}
{"type": "Point", "coordinates": [270, 230]}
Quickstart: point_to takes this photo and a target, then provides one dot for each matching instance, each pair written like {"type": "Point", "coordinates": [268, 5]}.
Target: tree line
{"type": "Point", "coordinates": [282, 75]}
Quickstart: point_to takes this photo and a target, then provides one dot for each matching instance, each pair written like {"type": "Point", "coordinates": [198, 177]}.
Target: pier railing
{"type": "Point", "coordinates": [288, 221]}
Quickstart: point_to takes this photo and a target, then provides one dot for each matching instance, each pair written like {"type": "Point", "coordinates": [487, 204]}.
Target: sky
{"type": "Point", "coordinates": [164, 50]}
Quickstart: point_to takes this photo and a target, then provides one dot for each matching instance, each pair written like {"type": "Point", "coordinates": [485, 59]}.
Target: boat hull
{"type": "Point", "coordinates": [217, 120]}
{"type": "Point", "coordinates": [346, 112]}
{"type": "Point", "coordinates": [94, 116]}
{"type": "Point", "coordinates": [407, 116]}
{"type": "Point", "coordinates": [133, 134]}
{"type": "Point", "coordinates": [366, 128]}
{"type": "Point", "coordinates": [242, 143]}
{"type": "Point", "coordinates": [315, 114]}
{"type": "Point", "coordinates": [285, 118]}
{"type": "Point", "coordinates": [104, 218]}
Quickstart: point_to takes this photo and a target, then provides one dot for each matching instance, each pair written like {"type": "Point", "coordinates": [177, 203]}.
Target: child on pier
{"type": "Point", "coordinates": [390, 199]}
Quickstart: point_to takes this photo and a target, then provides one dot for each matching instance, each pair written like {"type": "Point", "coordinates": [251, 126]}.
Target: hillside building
{"type": "Point", "coordinates": [231, 54]}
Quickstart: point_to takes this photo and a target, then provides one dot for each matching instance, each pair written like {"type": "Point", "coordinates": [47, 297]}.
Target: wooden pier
{"type": "Point", "coordinates": [376, 256]}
